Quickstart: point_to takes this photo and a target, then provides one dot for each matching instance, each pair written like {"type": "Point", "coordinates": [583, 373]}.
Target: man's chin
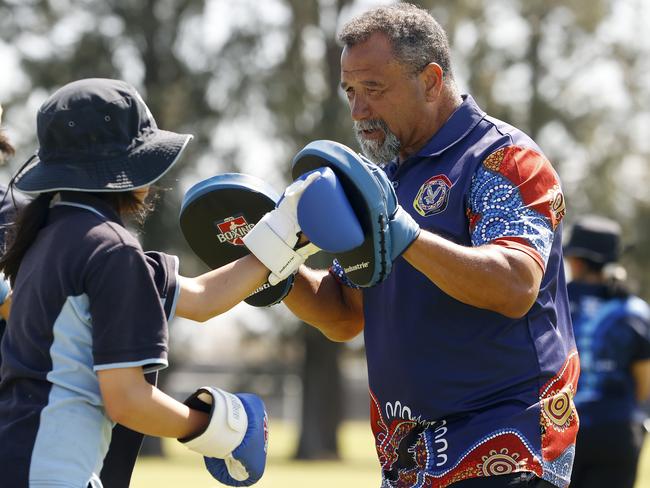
{"type": "Point", "coordinates": [377, 154]}
{"type": "Point", "coordinates": [370, 148]}
{"type": "Point", "coordinates": [371, 155]}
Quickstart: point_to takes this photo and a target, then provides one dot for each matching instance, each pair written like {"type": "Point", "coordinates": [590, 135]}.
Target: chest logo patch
{"type": "Point", "coordinates": [433, 196]}
{"type": "Point", "coordinates": [232, 229]}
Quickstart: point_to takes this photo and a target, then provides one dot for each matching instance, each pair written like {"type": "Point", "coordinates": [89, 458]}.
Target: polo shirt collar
{"type": "Point", "coordinates": [461, 123]}
{"type": "Point", "coordinates": [88, 202]}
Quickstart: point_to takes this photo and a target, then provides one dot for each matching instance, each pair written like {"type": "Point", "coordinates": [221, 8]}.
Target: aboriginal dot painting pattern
{"type": "Point", "coordinates": [502, 212]}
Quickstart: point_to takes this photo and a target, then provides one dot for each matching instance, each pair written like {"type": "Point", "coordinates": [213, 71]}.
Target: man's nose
{"type": "Point", "coordinates": [359, 108]}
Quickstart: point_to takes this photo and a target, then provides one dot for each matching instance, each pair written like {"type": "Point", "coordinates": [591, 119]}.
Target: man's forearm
{"type": "Point", "coordinates": [318, 299]}
{"type": "Point", "coordinates": [491, 277]}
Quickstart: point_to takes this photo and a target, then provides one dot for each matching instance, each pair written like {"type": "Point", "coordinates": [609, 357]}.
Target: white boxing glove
{"type": "Point", "coordinates": [227, 426]}
{"type": "Point", "coordinates": [274, 239]}
{"type": "Point", "coordinates": [234, 443]}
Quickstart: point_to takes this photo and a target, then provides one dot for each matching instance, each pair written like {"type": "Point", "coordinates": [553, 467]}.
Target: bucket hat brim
{"type": "Point", "coordinates": [581, 252]}
{"type": "Point", "coordinates": [594, 238]}
{"type": "Point", "coordinates": [140, 167]}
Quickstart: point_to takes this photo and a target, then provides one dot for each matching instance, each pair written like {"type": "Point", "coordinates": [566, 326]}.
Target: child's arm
{"type": "Point", "coordinates": [217, 291]}
{"type": "Point", "coordinates": [229, 430]}
{"type": "Point", "coordinates": [134, 403]}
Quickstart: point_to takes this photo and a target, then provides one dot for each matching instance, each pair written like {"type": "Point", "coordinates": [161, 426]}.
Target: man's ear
{"type": "Point", "coordinates": [432, 75]}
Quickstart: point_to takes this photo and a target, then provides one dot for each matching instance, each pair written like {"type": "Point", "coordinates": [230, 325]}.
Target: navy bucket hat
{"type": "Point", "coordinates": [595, 238]}
{"type": "Point", "coordinates": [97, 135]}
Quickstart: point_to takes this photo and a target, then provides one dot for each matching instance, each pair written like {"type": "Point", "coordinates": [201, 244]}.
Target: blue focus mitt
{"type": "Point", "coordinates": [218, 212]}
{"type": "Point", "coordinates": [387, 229]}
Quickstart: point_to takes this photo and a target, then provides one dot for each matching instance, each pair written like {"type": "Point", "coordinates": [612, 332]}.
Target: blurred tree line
{"type": "Point", "coordinates": [256, 81]}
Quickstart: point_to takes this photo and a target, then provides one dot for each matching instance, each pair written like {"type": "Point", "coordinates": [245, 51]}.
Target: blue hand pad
{"type": "Point", "coordinates": [326, 216]}
{"type": "Point", "coordinates": [369, 263]}
{"type": "Point", "coordinates": [217, 212]}
{"type": "Point", "coordinates": [230, 180]}
{"type": "Point", "coordinates": [403, 229]}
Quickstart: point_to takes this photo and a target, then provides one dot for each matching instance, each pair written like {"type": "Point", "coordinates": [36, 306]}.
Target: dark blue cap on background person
{"type": "Point", "coordinates": [595, 238]}
{"type": "Point", "coordinates": [98, 135]}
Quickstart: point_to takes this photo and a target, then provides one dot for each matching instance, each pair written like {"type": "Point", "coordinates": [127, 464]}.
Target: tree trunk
{"type": "Point", "coordinates": [321, 397]}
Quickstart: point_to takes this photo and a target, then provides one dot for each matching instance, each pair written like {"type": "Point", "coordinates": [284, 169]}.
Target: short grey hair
{"type": "Point", "coordinates": [415, 36]}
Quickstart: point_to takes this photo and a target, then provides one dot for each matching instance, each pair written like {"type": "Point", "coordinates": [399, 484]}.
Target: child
{"type": "Point", "coordinates": [90, 308]}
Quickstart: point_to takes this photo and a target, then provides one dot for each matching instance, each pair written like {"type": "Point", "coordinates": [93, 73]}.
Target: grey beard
{"type": "Point", "coordinates": [379, 153]}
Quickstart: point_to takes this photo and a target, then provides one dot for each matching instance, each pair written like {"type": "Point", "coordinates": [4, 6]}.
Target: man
{"type": "Point", "coordinates": [612, 330]}
{"type": "Point", "coordinates": [471, 359]}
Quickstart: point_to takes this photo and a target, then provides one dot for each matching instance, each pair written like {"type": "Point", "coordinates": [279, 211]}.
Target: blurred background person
{"type": "Point", "coordinates": [8, 207]}
{"type": "Point", "coordinates": [612, 330]}
{"type": "Point", "coordinates": [6, 150]}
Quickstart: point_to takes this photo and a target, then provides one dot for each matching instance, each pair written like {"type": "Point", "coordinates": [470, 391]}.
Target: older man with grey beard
{"type": "Point", "coordinates": [472, 364]}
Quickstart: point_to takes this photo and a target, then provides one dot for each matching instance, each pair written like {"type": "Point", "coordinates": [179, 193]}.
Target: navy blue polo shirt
{"type": "Point", "coordinates": [612, 333]}
{"type": "Point", "coordinates": [457, 391]}
{"type": "Point", "coordinates": [86, 298]}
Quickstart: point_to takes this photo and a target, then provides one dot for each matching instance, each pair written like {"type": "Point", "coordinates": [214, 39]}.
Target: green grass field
{"type": "Point", "coordinates": [358, 467]}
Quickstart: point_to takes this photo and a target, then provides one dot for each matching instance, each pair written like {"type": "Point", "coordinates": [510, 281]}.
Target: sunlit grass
{"type": "Point", "coordinates": [358, 467]}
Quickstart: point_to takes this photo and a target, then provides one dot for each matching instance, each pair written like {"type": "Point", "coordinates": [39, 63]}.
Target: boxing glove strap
{"type": "Point", "coordinates": [226, 427]}
{"type": "Point", "coordinates": [272, 250]}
